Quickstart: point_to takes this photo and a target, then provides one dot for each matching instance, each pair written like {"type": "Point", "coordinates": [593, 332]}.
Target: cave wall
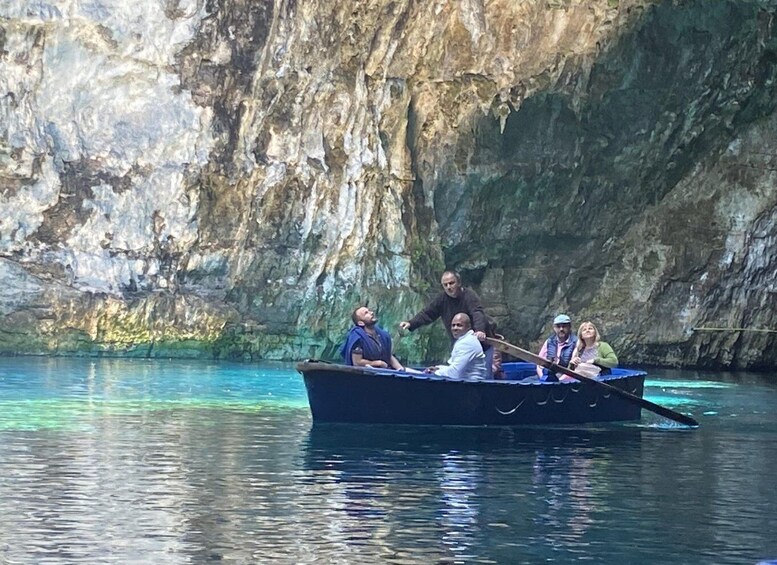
{"type": "Point", "coordinates": [230, 178]}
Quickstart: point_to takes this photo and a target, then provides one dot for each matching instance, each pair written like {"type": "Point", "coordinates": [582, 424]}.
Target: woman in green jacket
{"type": "Point", "coordinates": [592, 357]}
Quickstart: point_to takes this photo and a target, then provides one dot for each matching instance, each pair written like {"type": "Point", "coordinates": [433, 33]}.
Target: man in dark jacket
{"type": "Point", "coordinates": [453, 299]}
{"type": "Point", "coordinates": [367, 344]}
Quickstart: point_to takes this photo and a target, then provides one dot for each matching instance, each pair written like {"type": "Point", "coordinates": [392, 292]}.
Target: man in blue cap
{"type": "Point", "coordinates": [558, 348]}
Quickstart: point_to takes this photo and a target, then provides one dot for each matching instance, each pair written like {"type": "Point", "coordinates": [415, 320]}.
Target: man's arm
{"type": "Point", "coordinates": [475, 308]}
{"type": "Point", "coordinates": [427, 315]}
{"type": "Point", "coordinates": [544, 354]}
{"type": "Point", "coordinates": [358, 360]}
{"type": "Point", "coordinates": [395, 364]}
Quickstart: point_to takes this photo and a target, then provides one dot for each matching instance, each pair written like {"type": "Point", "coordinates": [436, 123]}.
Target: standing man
{"type": "Point", "coordinates": [367, 344]}
{"type": "Point", "coordinates": [559, 346]}
{"type": "Point", "coordinates": [467, 362]}
{"type": "Point", "coordinates": [453, 299]}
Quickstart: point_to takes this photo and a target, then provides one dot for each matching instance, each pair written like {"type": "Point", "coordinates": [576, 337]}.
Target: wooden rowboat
{"type": "Point", "coordinates": [340, 393]}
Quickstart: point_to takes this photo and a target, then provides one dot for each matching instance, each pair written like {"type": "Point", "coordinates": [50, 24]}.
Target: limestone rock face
{"type": "Point", "coordinates": [232, 177]}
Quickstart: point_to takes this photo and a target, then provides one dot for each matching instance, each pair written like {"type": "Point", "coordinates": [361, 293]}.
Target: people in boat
{"type": "Point", "coordinates": [467, 361]}
{"type": "Point", "coordinates": [367, 344]}
{"type": "Point", "coordinates": [592, 356]}
{"type": "Point", "coordinates": [558, 348]}
{"type": "Point", "coordinates": [453, 299]}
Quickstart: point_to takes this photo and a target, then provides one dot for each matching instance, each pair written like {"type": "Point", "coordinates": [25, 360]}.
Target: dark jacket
{"type": "Point", "coordinates": [445, 307]}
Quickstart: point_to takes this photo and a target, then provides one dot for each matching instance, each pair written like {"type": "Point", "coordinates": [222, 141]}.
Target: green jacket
{"type": "Point", "coordinates": [606, 356]}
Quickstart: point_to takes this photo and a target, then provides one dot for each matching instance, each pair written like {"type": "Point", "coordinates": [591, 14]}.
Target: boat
{"type": "Point", "coordinates": [347, 394]}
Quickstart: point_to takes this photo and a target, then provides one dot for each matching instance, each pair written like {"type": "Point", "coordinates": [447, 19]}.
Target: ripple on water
{"type": "Point", "coordinates": [146, 463]}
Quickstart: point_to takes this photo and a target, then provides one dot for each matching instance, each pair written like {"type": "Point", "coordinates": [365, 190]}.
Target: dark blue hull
{"type": "Point", "coordinates": [339, 393]}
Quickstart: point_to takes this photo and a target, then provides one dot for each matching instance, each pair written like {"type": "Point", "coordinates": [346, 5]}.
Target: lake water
{"type": "Point", "coordinates": [135, 461]}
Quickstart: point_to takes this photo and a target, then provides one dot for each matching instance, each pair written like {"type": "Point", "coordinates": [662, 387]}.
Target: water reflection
{"type": "Point", "coordinates": [460, 479]}
{"type": "Point", "coordinates": [440, 485]}
{"type": "Point", "coordinates": [126, 462]}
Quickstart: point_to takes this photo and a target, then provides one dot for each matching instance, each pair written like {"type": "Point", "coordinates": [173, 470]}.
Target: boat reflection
{"type": "Point", "coordinates": [354, 439]}
{"type": "Point", "coordinates": [406, 484]}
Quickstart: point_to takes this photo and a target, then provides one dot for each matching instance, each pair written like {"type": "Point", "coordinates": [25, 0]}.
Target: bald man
{"type": "Point", "coordinates": [467, 361]}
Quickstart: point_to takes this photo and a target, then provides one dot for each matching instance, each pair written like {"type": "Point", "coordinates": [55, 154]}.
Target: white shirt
{"type": "Point", "coordinates": [467, 362]}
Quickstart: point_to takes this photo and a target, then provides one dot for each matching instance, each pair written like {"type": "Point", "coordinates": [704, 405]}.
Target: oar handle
{"type": "Point", "coordinates": [516, 351]}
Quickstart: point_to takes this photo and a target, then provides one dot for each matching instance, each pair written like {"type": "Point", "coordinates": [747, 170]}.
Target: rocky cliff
{"type": "Point", "coordinates": [231, 177]}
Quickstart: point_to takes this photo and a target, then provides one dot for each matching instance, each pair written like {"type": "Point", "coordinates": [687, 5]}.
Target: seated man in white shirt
{"type": "Point", "coordinates": [467, 362]}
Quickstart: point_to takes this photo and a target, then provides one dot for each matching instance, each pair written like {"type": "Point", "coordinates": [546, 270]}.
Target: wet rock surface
{"type": "Point", "coordinates": [231, 178]}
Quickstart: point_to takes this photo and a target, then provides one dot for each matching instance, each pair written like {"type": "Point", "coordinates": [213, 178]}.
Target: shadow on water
{"type": "Point", "coordinates": [481, 436]}
{"type": "Point", "coordinates": [354, 442]}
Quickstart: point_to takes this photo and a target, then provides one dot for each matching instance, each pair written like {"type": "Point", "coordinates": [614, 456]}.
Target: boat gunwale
{"type": "Point", "coordinates": [315, 365]}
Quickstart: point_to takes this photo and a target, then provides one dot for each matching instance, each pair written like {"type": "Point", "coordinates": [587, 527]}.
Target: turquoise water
{"type": "Point", "coordinates": [135, 461]}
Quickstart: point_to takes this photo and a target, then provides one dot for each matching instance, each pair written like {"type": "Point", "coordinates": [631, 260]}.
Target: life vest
{"type": "Point", "coordinates": [565, 356]}
{"type": "Point", "coordinates": [370, 349]}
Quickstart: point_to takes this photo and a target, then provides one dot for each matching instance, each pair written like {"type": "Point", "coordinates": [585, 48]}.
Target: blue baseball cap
{"type": "Point", "coordinates": [561, 319]}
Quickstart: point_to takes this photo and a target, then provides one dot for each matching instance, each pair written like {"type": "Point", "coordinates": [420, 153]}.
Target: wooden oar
{"type": "Point", "coordinates": [505, 347]}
